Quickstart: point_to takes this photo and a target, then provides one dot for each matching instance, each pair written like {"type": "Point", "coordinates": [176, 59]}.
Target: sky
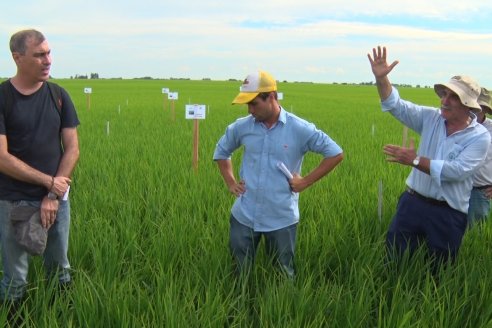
{"type": "Point", "coordinates": [322, 41]}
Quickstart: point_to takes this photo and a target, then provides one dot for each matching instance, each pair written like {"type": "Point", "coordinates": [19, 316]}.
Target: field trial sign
{"type": "Point", "coordinates": [195, 112]}
{"type": "Point", "coordinates": [87, 90]}
{"type": "Point", "coordinates": [172, 95]}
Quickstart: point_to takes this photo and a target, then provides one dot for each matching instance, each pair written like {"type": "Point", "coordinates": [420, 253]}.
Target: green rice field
{"type": "Point", "coordinates": [149, 235]}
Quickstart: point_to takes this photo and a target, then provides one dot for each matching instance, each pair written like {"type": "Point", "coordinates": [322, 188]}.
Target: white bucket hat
{"type": "Point", "coordinates": [465, 87]}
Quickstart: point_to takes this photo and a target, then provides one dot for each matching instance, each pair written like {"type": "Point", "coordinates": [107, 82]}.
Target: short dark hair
{"type": "Point", "coordinates": [18, 41]}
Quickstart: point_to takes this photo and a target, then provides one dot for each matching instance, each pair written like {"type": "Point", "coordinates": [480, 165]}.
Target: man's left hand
{"type": "Point", "coordinates": [49, 209]}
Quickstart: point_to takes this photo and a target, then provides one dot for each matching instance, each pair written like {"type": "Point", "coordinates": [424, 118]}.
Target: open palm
{"type": "Point", "coordinates": [379, 65]}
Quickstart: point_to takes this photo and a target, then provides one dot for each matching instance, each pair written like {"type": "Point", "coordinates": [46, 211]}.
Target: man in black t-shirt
{"type": "Point", "coordinates": [38, 152]}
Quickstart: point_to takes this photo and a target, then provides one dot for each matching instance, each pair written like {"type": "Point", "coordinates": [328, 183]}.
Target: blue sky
{"type": "Point", "coordinates": [309, 40]}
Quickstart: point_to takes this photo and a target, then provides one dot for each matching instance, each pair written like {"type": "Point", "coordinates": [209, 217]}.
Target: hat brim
{"type": "Point", "coordinates": [471, 103]}
{"type": "Point", "coordinates": [245, 97]}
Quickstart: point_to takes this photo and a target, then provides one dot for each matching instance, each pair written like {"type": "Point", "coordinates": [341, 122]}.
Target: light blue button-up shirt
{"type": "Point", "coordinates": [269, 203]}
{"type": "Point", "coordinates": [454, 158]}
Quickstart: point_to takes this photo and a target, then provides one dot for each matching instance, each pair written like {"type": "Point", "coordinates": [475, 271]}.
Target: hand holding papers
{"type": "Point", "coordinates": [284, 170]}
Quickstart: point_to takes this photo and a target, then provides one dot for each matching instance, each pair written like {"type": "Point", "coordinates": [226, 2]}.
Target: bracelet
{"type": "Point", "coordinates": [52, 183]}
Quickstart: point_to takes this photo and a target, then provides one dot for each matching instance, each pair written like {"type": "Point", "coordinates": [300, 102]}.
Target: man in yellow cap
{"type": "Point", "coordinates": [482, 180]}
{"type": "Point", "coordinates": [434, 207]}
{"type": "Point", "coordinates": [268, 188]}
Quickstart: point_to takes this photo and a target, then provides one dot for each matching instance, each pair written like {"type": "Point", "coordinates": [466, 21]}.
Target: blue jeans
{"type": "Point", "coordinates": [479, 207]}
{"type": "Point", "coordinates": [15, 260]}
{"type": "Point", "coordinates": [280, 245]}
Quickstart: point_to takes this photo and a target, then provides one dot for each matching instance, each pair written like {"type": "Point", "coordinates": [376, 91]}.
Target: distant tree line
{"type": "Point", "coordinates": [92, 76]}
{"type": "Point", "coordinates": [95, 76]}
{"type": "Point", "coordinates": [395, 84]}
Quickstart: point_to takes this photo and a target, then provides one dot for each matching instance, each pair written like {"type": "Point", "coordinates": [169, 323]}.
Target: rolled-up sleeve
{"type": "Point", "coordinates": [226, 144]}
{"type": "Point", "coordinates": [462, 161]}
{"type": "Point", "coordinates": [322, 144]}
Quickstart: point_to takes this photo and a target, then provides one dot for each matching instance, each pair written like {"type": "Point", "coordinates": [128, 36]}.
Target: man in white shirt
{"type": "Point", "coordinates": [433, 209]}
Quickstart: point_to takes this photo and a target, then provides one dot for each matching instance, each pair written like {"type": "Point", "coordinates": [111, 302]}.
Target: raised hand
{"type": "Point", "coordinates": [379, 65]}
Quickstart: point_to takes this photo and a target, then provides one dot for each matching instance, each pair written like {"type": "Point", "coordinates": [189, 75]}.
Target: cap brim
{"type": "Point", "coordinates": [245, 97]}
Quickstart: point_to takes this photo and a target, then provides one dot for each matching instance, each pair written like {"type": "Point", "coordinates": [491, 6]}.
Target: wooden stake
{"type": "Point", "coordinates": [88, 101]}
{"type": "Point", "coordinates": [195, 144]}
{"type": "Point", "coordinates": [405, 136]}
{"type": "Point", "coordinates": [173, 115]}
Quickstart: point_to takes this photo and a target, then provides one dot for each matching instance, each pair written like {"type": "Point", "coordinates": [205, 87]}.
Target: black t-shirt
{"type": "Point", "coordinates": [33, 128]}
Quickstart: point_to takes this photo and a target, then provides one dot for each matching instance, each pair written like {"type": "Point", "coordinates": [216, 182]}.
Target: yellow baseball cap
{"type": "Point", "coordinates": [254, 84]}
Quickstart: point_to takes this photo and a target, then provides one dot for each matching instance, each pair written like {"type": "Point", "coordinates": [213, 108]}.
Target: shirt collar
{"type": "Point", "coordinates": [283, 115]}
{"type": "Point", "coordinates": [474, 119]}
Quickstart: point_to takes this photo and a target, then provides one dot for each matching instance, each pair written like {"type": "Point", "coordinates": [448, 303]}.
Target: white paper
{"type": "Point", "coordinates": [284, 170]}
{"type": "Point", "coordinates": [65, 195]}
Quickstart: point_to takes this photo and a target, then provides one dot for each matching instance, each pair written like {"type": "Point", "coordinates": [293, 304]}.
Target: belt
{"type": "Point", "coordinates": [482, 187]}
{"type": "Point", "coordinates": [427, 199]}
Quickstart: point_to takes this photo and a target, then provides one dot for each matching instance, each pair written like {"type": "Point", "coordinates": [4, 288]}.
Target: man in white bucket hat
{"type": "Point", "coordinates": [267, 196]}
{"type": "Point", "coordinates": [482, 180]}
{"type": "Point", "coordinates": [465, 88]}
{"type": "Point", "coordinates": [433, 209]}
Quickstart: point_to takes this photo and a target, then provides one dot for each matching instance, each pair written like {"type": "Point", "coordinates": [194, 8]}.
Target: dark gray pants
{"type": "Point", "coordinates": [280, 246]}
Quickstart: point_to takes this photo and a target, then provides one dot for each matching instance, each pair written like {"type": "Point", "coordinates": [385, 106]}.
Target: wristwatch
{"type": "Point", "coordinates": [416, 161]}
{"type": "Point", "coordinates": [52, 196]}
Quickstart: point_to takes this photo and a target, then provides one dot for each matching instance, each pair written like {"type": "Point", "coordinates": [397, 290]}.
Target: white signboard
{"type": "Point", "coordinates": [172, 95]}
{"type": "Point", "coordinates": [165, 90]}
{"type": "Point", "coordinates": [280, 95]}
{"type": "Point", "coordinates": [195, 112]}
{"type": "Point", "coordinates": [87, 90]}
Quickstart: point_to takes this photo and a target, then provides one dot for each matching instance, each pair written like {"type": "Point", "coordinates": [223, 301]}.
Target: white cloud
{"type": "Point", "coordinates": [300, 40]}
